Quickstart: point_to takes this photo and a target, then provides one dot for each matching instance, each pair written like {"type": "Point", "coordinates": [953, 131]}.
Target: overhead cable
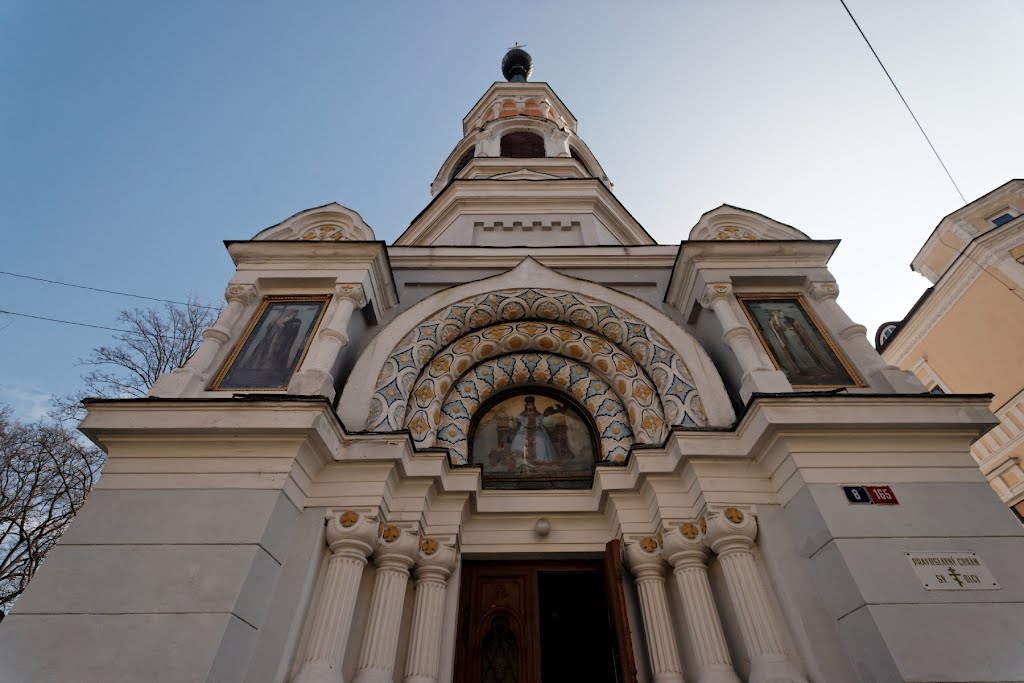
{"type": "Point", "coordinates": [905, 103]}
{"type": "Point", "coordinates": [107, 291]}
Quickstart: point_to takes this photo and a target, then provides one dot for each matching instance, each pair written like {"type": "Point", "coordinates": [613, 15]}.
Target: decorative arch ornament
{"type": "Point", "coordinates": [616, 367]}
{"type": "Point", "coordinates": [538, 369]}
{"type": "Point", "coordinates": [380, 383]}
{"type": "Point", "coordinates": [329, 223]}
{"type": "Point", "coordinates": [389, 404]}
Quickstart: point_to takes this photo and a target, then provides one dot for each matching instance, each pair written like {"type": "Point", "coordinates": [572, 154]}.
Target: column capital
{"type": "Point", "coordinates": [684, 544]}
{"type": "Point", "coordinates": [242, 293]}
{"type": "Point", "coordinates": [714, 291]}
{"type": "Point", "coordinates": [352, 292]}
{"type": "Point", "coordinates": [352, 531]}
{"type": "Point", "coordinates": [397, 547]}
{"type": "Point", "coordinates": [729, 529]}
{"type": "Point", "coordinates": [819, 291]}
{"type": "Point", "coordinates": [436, 560]}
{"type": "Point", "coordinates": [643, 558]}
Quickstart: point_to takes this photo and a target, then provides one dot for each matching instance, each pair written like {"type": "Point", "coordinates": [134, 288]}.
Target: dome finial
{"type": "Point", "coordinates": [517, 65]}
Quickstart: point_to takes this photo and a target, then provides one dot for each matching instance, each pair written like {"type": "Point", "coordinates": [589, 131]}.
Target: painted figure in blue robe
{"type": "Point", "coordinates": [531, 439]}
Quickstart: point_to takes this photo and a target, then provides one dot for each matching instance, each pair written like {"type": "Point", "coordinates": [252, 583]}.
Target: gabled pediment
{"type": "Point", "coordinates": [328, 223]}
{"type": "Point", "coordinates": [731, 223]}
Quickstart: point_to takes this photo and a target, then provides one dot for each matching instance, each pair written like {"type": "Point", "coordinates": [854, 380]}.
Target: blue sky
{"type": "Point", "coordinates": [135, 137]}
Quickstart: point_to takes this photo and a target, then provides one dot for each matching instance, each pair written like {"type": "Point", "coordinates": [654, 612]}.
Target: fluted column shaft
{"type": "Point", "coordinates": [738, 337]}
{"type": "Point", "coordinates": [731, 535]}
{"type": "Point", "coordinates": [648, 571]}
{"type": "Point", "coordinates": [433, 567]}
{"type": "Point", "coordinates": [351, 537]}
{"type": "Point", "coordinates": [314, 377]}
{"type": "Point", "coordinates": [393, 558]}
{"type": "Point", "coordinates": [687, 554]}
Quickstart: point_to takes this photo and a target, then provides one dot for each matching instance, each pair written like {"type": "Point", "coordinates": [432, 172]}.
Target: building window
{"type": "Point", "coordinates": [1003, 219]}
{"type": "Point", "coordinates": [522, 146]}
{"type": "Point", "coordinates": [937, 390]}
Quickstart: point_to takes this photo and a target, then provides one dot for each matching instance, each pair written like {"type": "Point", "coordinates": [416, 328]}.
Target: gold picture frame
{"type": "Point", "coordinates": [274, 344]}
{"type": "Point", "coordinates": [797, 342]}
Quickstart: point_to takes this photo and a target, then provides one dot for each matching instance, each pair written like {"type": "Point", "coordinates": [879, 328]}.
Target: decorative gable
{"type": "Point", "coordinates": [329, 223]}
{"type": "Point", "coordinates": [731, 223]}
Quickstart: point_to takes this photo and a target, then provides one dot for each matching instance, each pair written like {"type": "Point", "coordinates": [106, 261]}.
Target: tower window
{"type": "Point", "coordinates": [522, 146]}
{"type": "Point", "coordinates": [466, 158]}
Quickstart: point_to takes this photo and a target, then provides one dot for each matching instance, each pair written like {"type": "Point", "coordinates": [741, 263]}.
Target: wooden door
{"type": "Point", "coordinates": [506, 608]}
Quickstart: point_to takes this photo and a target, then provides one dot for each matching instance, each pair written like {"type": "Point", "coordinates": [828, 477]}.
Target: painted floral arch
{"type": "Point", "coordinates": [516, 370]}
{"type": "Point", "coordinates": [636, 391]}
{"type": "Point", "coordinates": [390, 401]}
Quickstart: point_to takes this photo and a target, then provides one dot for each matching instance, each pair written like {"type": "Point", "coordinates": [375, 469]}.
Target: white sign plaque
{"type": "Point", "coordinates": [952, 571]}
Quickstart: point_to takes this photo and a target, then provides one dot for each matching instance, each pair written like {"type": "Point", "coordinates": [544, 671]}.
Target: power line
{"type": "Point", "coordinates": [72, 322]}
{"type": "Point", "coordinates": [107, 291]}
{"type": "Point", "coordinates": [905, 103]}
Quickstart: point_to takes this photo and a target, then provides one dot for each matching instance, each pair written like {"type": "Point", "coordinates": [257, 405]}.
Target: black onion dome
{"type": "Point", "coordinates": [517, 65]}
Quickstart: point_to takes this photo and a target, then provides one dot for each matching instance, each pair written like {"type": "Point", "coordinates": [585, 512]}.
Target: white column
{"type": "Point", "coordinates": [730, 534]}
{"type": "Point", "coordinates": [434, 565]}
{"type": "Point", "coordinates": [196, 373]}
{"type": "Point", "coordinates": [393, 558]}
{"type": "Point", "coordinates": [686, 553]}
{"type": "Point", "coordinates": [853, 339]}
{"type": "Point", "coordinates": [351, 537]}
{"type": "Point", "coordinates": [758, 376]}
{"type": "Point", "coordinates": [315, 377]}
{"type": "Point", "coordinates": [648, 569]}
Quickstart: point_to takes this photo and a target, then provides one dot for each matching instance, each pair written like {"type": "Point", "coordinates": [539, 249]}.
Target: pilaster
{"type": "Point", "coordinates": [434, 564]}
{"type": "Point", "coordinates": [316, 377]}
{"type": "Point", "coordinates": [393, 558]}
{"type": "Point", "coordinates": [686, 552]}
{"type": "Point", "coordinates": [730, 534]}
{"type": "Point", "coordinates": [643, 558]}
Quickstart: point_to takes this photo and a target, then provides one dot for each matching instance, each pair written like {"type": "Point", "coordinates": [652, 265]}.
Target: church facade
{"type": "Point", "coordinates": [524, 443]}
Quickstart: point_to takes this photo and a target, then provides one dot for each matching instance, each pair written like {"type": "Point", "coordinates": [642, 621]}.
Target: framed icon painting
{"type": "Point", "coordinates": [274, 344]}
{"type": "Point", "coordinates": [796, 342]}
{"type": "Point", "coordinates": [533, 439]}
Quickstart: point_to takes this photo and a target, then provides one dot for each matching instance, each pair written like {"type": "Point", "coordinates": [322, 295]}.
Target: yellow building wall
{"type": "Point", "coordinates": [978, 346]}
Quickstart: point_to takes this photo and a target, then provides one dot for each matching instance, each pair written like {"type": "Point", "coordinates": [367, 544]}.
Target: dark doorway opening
{"type": "Point", "coordinates": [544, 622]}
{"type": "Point", "coordinates": [576, 634]}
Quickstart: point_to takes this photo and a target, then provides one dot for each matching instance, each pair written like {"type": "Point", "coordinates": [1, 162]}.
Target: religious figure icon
{"type": "Point", "coordinates": [796, 343]}
{"type": "Point", "coordinates": [533, 437]}
{"type": "Point", "coordinates": [274, 345]}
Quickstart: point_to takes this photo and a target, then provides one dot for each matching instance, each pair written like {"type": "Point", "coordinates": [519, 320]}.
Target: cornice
{"type": "Point", "coordinates": [567, 195]}
{"type": "Point", "coordinates": [628, 258]}
{"type": "Point", "coordinates": [741, 257]}
{"type": "Point", "coordinates": [297, 260]}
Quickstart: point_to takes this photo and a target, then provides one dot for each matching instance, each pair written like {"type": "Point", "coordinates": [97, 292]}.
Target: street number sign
{"type": "Point", "coordinates": [857, 495]}
{"type": "Point", "coordinates": [870, 495]}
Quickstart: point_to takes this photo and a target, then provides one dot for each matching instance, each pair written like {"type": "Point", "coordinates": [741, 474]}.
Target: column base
{"type": "Point", "coordinates": [774, 670]}
{"type": "Point", "coordinates": [764, 382]}
{"type": "Point", "coordinates": [374, 676]}
{"type": "Point", "coordinates": [319, 672]}
{"type": "Point", "coordinates": [718, 674]}
{"type": "Point", "coordinates": [669, 677]}
{"type": "Point", "coordinates": [312, 383]}
{"type": "Point", "coordinates": [420, 679]}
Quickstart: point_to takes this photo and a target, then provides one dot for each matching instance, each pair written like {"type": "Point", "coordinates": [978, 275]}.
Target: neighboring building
{"type": "Point", "coordinates": [966, 333]}
{"type": "Point", "coordinates": [525, 442]}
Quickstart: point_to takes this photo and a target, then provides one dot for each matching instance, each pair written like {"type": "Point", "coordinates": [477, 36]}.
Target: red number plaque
{"type": "Point", "coordinates": [882, 495]}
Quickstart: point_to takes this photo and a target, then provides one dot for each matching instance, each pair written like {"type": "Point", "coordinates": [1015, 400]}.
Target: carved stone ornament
{"type": "Point", "coordinates": [703, 525]}
{"type": "Point", "coordinates": [823, 290]}
{"type": "Point", "coordinates": [717, 290]}
{"type": "Point", "coordinates": [324, 233]}
{"type": "Point", "coordinates": [349, 518]}
{"type": "Point", "coordinates": [428, 546]}
{"type": "Point", "coordinates": [689, 530]}
{"type": "Point", "coordinates": [734, 233]}
{"type": "Point", "coordinates": [391, 533]}
{"type": "Point", "coordinates": [240, 293]}
{"type": "Point", "coordinates": [734, 515]}
{"type": "Point", "coordinates": [353, 292]}
{"type": "Point", "coordinates": [649, 544]}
